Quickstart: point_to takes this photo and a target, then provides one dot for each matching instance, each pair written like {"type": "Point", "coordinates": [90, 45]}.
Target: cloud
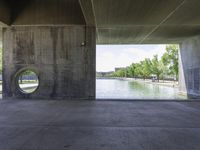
{"type": "Point", "coordinates": [109, 57]}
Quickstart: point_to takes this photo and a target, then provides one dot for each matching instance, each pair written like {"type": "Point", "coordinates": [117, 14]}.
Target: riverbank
{"type": "Point", "coordinates": [167, 83]}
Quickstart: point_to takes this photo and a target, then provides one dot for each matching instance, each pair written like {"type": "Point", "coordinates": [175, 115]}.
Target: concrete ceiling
{"type": "Point", "coordinates": [43, 12]}
{"type": "Point", "coordinates": [117, 21]}
{"type": "Point", "coordinates": [146, 21]}
{"type": "Point", "coordinates": [4, 13]}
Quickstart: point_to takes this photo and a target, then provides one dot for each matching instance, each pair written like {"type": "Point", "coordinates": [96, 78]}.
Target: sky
{"type": "Point", "coordinates": [108, 57]}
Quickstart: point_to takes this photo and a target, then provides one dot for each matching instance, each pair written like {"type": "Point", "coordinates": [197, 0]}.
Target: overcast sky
{"type": "Point", "coordinates": [110, 56]}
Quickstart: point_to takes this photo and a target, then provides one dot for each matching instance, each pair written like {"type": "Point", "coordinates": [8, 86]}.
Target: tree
{"type": "Point", "coordinates": [146, 68]}
{"type": "Point", "coordinates": [132, 70]}
{"type": "Point", "coordinates": [129, 72]}
{"type": "Point", "coordinates": [164, 69]}
{"type": "Point", "coordinates": [120, 73]}
{"type": "Point", "coordinates": [166, 66]}
{"type": "Point", "coordinates": [155, 67]}
{"type": "Point", "coordinates": [170, 59]}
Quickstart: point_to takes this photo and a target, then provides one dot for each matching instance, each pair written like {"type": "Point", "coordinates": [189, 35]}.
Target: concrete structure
{"type": "Point", "coordinates": [190, 61]}
{"type": "Point", "coordinates": [51, 38]}
{"type": "Point", "coordinates": [65, 68]}
{"type": "Point", "coordinates": [57, 39]}
{"type": "Point", "coordinates": [99, 125]}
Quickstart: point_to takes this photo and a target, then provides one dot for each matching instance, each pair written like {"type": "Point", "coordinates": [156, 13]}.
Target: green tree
{"type": "Point", "coordinates": [128, 72]}
{"type": "Point", "coordinates": [164, 69]}
{"type": "Point", "coordinates": [168, 65]}
{"type": "Point", "coordinates": [138, 70]}
{"type": "Point", "coordinates": [155, 67]}
{"type": "Point", "coordinates": [131, 70]}
{"type": "Point", "coordinates": [146, 68]}
{"type": "Point", "coordinates": [170, 59]}
{"type": "Point", "coordinates": [120, 73]}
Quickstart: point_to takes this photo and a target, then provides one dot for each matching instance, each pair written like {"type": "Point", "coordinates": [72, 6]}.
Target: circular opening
{"type": "Point", "coordinates": [28, 81]}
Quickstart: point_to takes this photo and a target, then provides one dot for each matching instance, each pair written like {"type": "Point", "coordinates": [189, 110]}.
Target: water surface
{"type": "Point", "coordinates": [124, 89]}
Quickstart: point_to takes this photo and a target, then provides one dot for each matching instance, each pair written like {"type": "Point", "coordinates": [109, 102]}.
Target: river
{"type": "Point", "coordinates": [125, 89]}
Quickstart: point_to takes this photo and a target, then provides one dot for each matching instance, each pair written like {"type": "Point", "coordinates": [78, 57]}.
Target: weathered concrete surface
{"type": "Point", "coordinates": [37, 12]}
{"type": "Point", "coordinates": [88, 12]}
{"type": "Point", "coordinates": [99, 125]}
{"type": "Point", "coordinates": [181, 75]}
{"type": "Point", "coordinates": [64, 64]}
{"type": "Point", "coordinates": [5, 14]}
{"type": "Point", "coordinates": [117, 21]}
{"type": "Point", "coordinates": [190, 57]}
{"type": "Point", "coordinates": [146, 21]}
{"type": "Point", "coordinates": [58, 56]}
{"type": "Point", "coordinates": [51, 12]}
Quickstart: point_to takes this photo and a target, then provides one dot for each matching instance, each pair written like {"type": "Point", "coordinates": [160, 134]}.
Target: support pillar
{"type": "Point", "coordinates": [62, 56]}
{"type": "Point", "coordinates": [190, 61]}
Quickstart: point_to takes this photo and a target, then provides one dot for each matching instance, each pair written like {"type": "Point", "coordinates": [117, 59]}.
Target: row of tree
{"type": "Point", "coordinates": [166, 66]}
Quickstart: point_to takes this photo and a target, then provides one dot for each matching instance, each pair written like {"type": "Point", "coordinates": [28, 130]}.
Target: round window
{"type": "Point", "coordinates": [28, 81]}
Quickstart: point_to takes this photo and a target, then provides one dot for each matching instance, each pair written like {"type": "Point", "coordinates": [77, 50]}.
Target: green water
{"type": "Point", "coordinates": [123, 89]}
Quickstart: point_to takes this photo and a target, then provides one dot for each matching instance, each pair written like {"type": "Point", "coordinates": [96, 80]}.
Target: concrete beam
{"type": "Point", "coordinates": [146, 22]}
{"type": "Point", "coordinates": [117, 21]}
{"type": "Point", "coordinates": [5, 14]}
{"type": "Point", "coordinates": [47, 12]}
{"type": "Point", "coordinates": [88, 11]}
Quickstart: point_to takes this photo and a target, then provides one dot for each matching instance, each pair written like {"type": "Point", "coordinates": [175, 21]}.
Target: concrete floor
{"type": "Point", "coordinates": [99, 125]}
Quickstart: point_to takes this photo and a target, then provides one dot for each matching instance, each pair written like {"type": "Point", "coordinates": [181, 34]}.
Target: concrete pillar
{"type": "Point", "coordinates": [182, 86]}
{"type": "Point", "coordinates": [190, 58]}
{"type": "Point", "coordinates": [0, 36]}
{"type": "Point", "coordinates": [62, 56]}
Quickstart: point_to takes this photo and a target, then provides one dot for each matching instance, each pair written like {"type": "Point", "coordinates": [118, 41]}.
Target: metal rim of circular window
{"type": "Point", "coordinates": [27, 81]}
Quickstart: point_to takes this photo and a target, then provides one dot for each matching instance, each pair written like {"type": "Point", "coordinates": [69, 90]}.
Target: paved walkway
{"type": "Point", "coordinates": [99, 125]}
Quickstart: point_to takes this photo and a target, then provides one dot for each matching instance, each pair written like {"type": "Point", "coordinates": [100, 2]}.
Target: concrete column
{"type": "Point", "coordinates": [0, 36]}
{"type": "Point", "coordinates": [190, 58]}
{"type": "Point", "coordinates": [62, 56]}
{"type": "Point", "coordinates": [182, 86]}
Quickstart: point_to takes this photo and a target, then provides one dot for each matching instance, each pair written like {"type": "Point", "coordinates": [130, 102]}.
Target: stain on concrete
{"type": "Point", "coordinates": [190, 55]}
{"type": "Point", "coordinates": [24, 51]}
{"type": "Point", "coordinates": [66, 69]}
{"type": "Point", "coordinates": [64, 51]}
{"type": "Point", "coordinates": [54, 37]}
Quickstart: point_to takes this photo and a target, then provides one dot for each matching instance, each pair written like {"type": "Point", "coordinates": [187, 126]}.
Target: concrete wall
{"type": "Point", "coordinates": [182, 86]}
{"type": "Point", "coordinates": [64, 64]}
{"type": "Point", "coordinates": [190, 59]}
{"type": "Point", "coordinates": [0, 36]}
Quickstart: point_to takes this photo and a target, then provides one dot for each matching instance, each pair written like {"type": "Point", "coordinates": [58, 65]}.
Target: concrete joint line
{"type": "Point", "coordinates": [163, 21]}
{"type": "Point", "coordinates": [95, 20]}
{"type": "Point", "coordinates": [80, 3]}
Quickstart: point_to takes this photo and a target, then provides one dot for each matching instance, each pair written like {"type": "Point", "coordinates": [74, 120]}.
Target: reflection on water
{"type": "Point", "coordinates": [122, 89]}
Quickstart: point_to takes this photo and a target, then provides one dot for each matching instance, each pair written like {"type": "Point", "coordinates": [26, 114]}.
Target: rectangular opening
{"type": "Point", "coordinates": [146, 72]}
